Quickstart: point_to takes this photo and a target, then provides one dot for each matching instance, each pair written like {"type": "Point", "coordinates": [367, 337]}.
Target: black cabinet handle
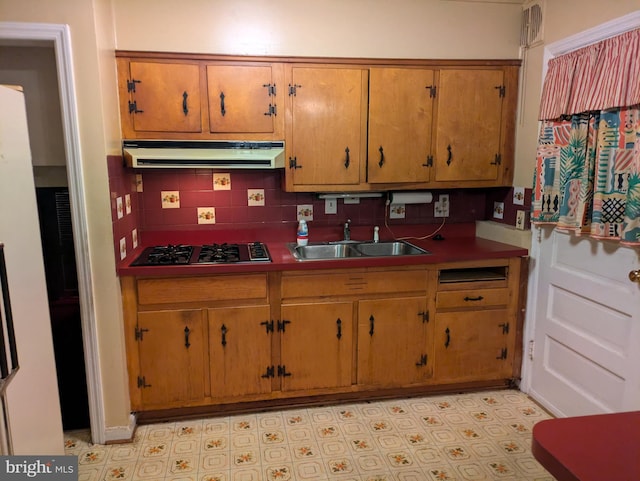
{"type": "Point", "coordinates": [381, 150]}
{"type": "Point", "coordinates": [222, 109]}
{"type": "Point", "coordinates": [448, 340]}
{"type": "Point", "coordinates": [450, 155]}
{"type": "Point", "coordinates": [479, 298]}
{"type": "Point", "coordinates": [347, 161]}
{"type": "Point", "coordinates": [223, 330]}
{"type": "Point", "coordinates": [339, 324]}
{"type": "Point", "coordinates": [185, 108]}
{"type": "Point", "coordinates": [187, 331]}
{"type": "Point", "coordinates": [371, 324]}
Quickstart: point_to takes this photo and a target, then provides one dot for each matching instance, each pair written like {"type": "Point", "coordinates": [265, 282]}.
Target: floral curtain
{"type": "Point", "coordinates": [587, 175]}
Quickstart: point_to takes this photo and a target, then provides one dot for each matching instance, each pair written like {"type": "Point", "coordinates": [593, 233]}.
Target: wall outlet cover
{"type": "Point", "coordinates": [521, 217]}
{"type": "Point", "coordinates": [498, 210]}
{"type": "Point", "coordinates": [330, 206]}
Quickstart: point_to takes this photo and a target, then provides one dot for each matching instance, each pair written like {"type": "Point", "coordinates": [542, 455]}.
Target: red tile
{"type": "Point", "coordinates": [196, 199]}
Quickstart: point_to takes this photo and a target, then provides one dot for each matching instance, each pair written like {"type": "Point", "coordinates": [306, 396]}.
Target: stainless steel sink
{"type": "Point", "coordinates": [353, 249]}
{"type": "Point", "coordinates": [396, 248]}
{"type": "Point", "coordinates": [322, 251]}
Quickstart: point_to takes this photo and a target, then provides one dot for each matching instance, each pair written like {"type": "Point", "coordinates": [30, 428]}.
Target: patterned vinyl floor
{"type": "Point", "coordinates": [478, 436]}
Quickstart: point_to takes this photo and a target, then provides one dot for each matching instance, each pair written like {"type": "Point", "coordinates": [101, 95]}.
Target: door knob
{"type": "Point", "coordinates": [634, 276]}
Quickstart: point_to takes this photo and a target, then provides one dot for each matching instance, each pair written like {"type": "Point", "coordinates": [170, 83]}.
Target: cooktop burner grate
{"type": "Point", "coordinates": [166, 255]}
{"type": "Point", "coordinates": [206, 254]}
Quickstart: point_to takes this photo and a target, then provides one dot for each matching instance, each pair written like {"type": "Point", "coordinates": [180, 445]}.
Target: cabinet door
{"type": "Point", "coordinates": [166, 95]}
{"type": "Point", "coordinates": [474, 345]}
{"type": "Point", "coordinates": [328, 125]}
{"type": "Point", "coordinates": [392, 342]}
{"type": "Point", "coordinates": [316, 345]}
{"type": "Point", "coordinates": [469, 125]}
{"type": "Point", "coordinates": [239, 351]}
{"type": "Point", "coordinates": [241, 99]}
{"type": "Point", "coordinates": [400, 118]}
{"type": "Point", "coordinates": [172, 357]}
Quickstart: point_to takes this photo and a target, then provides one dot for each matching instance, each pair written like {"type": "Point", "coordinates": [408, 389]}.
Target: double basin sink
{"type": "Point", "coordinates": [353, 249]}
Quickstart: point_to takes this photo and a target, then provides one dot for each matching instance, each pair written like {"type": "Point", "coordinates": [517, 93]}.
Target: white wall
{"type": "Point", "coordinates": [334, 28]}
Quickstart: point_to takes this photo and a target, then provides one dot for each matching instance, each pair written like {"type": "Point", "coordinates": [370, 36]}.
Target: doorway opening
{"type": "Point", "coordinates": [34, 68]}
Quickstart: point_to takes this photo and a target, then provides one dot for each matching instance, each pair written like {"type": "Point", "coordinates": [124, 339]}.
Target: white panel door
{"type": "Point", "coordinates": [586, 353]}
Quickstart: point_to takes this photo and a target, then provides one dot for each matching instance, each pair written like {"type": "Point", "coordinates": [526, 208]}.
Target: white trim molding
{"type": "Point", "coordinates": [24, 34]}
{"type": "Point", "coordinates": [121, 434]}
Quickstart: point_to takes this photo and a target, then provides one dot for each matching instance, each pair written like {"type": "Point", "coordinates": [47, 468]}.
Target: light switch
{"type": "Point", "coordinates": [330, 206]}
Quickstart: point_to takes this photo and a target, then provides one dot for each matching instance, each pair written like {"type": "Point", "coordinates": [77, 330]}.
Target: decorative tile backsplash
{"type": "Point", "coordinates": [167, 199]}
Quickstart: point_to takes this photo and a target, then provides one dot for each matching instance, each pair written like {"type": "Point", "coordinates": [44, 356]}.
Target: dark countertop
{"type": "Point", "coordinates": [458, 244]}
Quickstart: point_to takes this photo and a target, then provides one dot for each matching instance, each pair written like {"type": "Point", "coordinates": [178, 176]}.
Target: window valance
{"type": "Point", "coordinates": [597, 77]}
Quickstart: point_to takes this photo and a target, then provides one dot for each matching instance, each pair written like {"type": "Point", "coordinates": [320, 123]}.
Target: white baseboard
{"type": "Point", "coordinates": [121, 434]}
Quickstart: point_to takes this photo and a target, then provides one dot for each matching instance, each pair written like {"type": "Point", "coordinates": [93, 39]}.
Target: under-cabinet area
{"type": "Point", "coordinates": [261, 339]}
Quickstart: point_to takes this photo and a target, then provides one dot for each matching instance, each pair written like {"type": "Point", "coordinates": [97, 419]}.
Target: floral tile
{"type": "Point", "coordinates": [119, 472]}
{"type": "Point", "coordinates": [243, 458]}
{"type": "Point", "coordinates": [305, 451]}
{"type": "Point", "coordinates": [271, 437]}
{"type": "Point", "coordinates": [278, 473]}
{"type": "Point", "coordinates": [213, 477]}
{"type": "Point", "coordinates": [399, 459]}
{"type": "Point", "coordinates": [441, 474]}
{"type": "Point", "coordinates": [340, 466]}
{"type": "Point", "coordinates": [214, 443]}
{"type": "Point", "coordinates": [150, 450]}
{"type": "Point", "coordinates": [96, 455]}
{"type": "Point", "coordinates": [183, 465]}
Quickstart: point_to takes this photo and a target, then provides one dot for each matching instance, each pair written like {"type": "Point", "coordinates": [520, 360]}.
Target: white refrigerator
{"type": "Point", "coordinates": [33, 406]}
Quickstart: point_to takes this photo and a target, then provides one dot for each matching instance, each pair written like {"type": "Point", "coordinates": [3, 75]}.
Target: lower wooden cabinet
{"type": "Point", "coordinates": [239, 343]}
{"type": "Point", "coordinates": [476, 321]}
{"type": "Point", "coordinates": [393, 345]}
{"type": "Point", "coordinates": [299, 334]}
{"type": "Point", "coordinates": [172, 353]}
{"type": "Point", "coordinates": [473, 346]}
{"type": "Point", "coordinates": [316, 346]}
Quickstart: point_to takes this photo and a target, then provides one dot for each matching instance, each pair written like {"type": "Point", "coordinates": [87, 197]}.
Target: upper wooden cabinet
{"type": "Point", "coordinates": [473, 132]}
{"type": "Point", "coordinates": [327, 129]}
{"type": "Point", "coordinates": [348, 124]}
{"type": "Point", "coordinates": [241, 98]}
{"type": "Point", "coordinates": [162, 97]}
{"type": "Point", "coordinates": [174, 96]}
{"type": "Point", "coordinates": [400, 119]}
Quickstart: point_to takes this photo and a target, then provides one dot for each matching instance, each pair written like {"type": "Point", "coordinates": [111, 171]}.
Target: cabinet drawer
{"type": "Point", "coordinates": [472, 298]}
{"type": "Point", "coordinates": [318, 285]}
{"type": "Point", "coordinates": [198, 289]}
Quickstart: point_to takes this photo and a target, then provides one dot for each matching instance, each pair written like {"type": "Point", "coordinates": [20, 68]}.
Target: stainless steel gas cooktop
{"type": "Point", "coordinates": [203, 254]}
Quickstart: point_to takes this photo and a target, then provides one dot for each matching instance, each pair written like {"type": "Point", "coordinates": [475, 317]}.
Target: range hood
{"type": "Point", "coordinates": [208, 154]}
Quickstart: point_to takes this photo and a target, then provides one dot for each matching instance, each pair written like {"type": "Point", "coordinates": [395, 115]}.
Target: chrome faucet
{"type": "Point", "coordinates": [347, 230]}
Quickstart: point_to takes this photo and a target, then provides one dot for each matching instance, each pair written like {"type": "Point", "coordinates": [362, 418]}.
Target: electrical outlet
{"type": "Point", "coordinates": [443, 199]}
{"type": "Point", "coordinates": [330, 206]}
{"type": "Point", "coordinates": [437, 209]}
{"type": "Point", "coordinates": [521, 217]}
